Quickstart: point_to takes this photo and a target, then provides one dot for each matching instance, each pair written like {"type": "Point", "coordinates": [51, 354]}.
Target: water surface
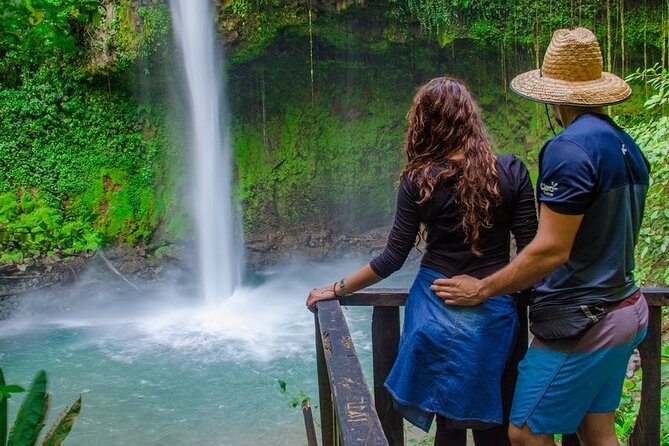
{"type": "Point", "coordinates": [165, 369]}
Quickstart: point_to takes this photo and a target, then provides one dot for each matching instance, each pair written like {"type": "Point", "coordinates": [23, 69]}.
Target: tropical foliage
{"type": "Point", "coordinates": [79, 167]}
{"type": "Point", "coordinates": [31, 415]}
{"type": "Point", "coordinates": [83, 163]}
{"type": "Point", "coordinates": [33, 32]}
{"type": "Point", "coordinates": [652, 134]}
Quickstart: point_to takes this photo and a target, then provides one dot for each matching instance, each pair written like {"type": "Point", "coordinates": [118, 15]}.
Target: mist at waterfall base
{"type": "Point", "coordinates": [159, 369]}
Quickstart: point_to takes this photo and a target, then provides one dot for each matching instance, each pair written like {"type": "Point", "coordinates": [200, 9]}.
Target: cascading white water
{"type": "Point", "coordinates": [220, 259]}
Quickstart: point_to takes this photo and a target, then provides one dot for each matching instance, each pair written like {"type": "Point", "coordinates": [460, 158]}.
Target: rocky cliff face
{"type": "Point", "coordinates": [129, 29]}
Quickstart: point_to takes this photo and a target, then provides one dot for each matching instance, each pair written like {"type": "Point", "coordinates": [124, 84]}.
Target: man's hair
{"type": "Point", "coordinates": [443, 119]}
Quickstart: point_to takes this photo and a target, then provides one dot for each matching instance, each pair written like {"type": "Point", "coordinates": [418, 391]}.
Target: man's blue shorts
{"type": "Point", "coordinates": [560, 382]}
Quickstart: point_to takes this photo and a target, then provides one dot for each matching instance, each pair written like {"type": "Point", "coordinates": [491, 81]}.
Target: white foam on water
{"type": "Point", "coordinates": [253, 324]}
{"type": "Point", "coordinates": [257, 323]}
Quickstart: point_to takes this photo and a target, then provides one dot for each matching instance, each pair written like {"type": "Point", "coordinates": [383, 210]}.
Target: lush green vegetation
{"type": "Point", "coordinates": [334, 159]}
{"type": "Point", "coordinates": [82, 163]}
{"type": "Point", "coordinates": [84, 143]}
{"type": "Point", "coordinates": [621, 25]}
{"type": "Point", "coordinates": [38, 32]}
{"type": "Point", "coordinates": [652, 133]}
{"type": "Point", "coordinates": [79, 168]}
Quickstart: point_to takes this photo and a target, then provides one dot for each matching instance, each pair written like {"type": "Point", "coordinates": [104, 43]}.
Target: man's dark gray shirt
{"type": "Point", "coordinates": [593, 168]}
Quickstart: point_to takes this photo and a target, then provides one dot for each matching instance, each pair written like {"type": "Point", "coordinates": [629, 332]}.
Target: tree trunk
{"type": "Point", "coordinates": [571, 14]}
{"type": "Point", "coordinates": [537, 62]}
{"type": "Point", "coordinates": [608, 35]}
{"type": "Point", "coordinates": [645, 48]}
{"type": "Point", "coordinates": [665, 31]}
{"type": "Point", "coordinates": [622, 37]}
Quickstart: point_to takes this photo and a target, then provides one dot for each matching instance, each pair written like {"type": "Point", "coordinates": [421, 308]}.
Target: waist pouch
{"type": "Point", "coordinates": [556, 323]}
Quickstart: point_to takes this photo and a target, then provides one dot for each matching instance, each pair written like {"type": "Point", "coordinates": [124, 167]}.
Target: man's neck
{"type": "Point", "coordinates": [569, 113]}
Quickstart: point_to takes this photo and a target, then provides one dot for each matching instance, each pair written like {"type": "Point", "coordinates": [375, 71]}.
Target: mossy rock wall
{"type": "Point", "coordinates": [326, 151]}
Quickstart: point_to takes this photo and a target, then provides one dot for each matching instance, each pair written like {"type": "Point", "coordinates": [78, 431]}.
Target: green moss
{"type": "Point", "coordinates": [333, 159]}
{"type": "Point", "coordinates": [92, 159]}
{"type": "Point", "coordinates": [133, 35]}
{"type": "Point", "coordinates": [259, 26]}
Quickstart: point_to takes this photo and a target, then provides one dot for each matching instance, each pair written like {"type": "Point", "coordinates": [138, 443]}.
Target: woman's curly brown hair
{"type": "Point", "coordinates": [446, 138]}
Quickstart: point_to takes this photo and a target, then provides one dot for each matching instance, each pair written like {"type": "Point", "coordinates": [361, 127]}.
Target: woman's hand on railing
{"type": "Point", "coordinates": [319, 294]}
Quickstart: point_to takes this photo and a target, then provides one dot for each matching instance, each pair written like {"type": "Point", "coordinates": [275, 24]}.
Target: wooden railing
{"type": "Point", "coordinates": [349, 416]}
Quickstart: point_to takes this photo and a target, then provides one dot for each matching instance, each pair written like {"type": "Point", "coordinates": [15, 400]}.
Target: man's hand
{"type": "Point", "coordinates": [463, 291]}
{"type": "Point", "coordinates": [550, 248]}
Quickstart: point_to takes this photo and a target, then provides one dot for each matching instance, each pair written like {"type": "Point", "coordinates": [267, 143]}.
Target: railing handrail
{"type": "Point", "coordinates": [342, 385]}
{"type": "Point", "coordinates": [396, 297]}
{"type": "Point", "coordinates": [351, 402]}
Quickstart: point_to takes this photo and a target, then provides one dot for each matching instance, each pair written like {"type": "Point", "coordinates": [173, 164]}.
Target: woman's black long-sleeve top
{"type": "Point", "coordinates": [446, 250]}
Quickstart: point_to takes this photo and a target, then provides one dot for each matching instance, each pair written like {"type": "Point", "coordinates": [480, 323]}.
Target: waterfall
{"type": "Point", "coordinates": [219, 252]}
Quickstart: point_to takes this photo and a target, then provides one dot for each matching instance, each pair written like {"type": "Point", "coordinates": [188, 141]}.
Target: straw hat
{"type": "Point", "coordinates": [572, 74]}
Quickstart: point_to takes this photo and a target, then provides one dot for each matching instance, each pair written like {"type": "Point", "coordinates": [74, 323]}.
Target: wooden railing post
{"type": "Point", "coordinates": [647, 427]}
{"type": "Point", "coordinates": [356, 417]}
{"type": "Point", "coordinates": [324, 391]}
{"type": "Point", "coordinates": [309, 424]}
{"type": "Point", "coordinates": [385, 341]}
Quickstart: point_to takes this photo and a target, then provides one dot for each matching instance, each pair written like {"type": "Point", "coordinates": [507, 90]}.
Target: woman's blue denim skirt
{"type": "Point", "coordinates": [451, 359]}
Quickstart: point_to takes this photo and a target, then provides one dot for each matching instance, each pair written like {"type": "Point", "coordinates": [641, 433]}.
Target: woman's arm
{"type": "Point", "coordinates": [360, 279]}
{"type": "Point", "coordinates": [402, 237]}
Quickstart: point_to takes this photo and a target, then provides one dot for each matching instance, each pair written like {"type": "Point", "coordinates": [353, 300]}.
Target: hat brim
{"type": "Point", "coordinates": [609, 89]}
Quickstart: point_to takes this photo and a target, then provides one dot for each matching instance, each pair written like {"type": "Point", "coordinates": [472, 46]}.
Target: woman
{"type": "Point", "coordinates": [469, 200]}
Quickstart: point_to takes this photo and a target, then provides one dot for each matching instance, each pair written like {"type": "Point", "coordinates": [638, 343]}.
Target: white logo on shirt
{"type": "Point", "coordinates": [548, 189]}
{"type": "Point", "coordinates": [624, 149]}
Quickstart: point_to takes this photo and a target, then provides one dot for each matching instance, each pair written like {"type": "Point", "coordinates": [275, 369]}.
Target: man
{"type": "Point", "coordinates": [592, 186]}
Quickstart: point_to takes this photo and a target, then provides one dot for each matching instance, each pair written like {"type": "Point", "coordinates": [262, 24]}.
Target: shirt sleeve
{"type": "Point", "coordinates": [524, 218]}
{"type": "Point", "coordinates": [402, 237]}
{"type": "Point", "coordinates": [566, 177]}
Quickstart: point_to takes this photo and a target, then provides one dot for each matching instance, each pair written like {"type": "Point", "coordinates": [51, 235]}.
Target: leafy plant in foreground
{"type": "Point", "coordinates": [629, 407]}
{"type": "Point", "coordinates": [30, 418]}
{"type": "Point", "coordinates": [297, 399]}
{"type": "Point", "coordinates": [653, 137]}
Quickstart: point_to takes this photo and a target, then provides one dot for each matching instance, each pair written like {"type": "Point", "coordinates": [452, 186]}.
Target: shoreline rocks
{"type": "Point", "coordinates": [137, 266]}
